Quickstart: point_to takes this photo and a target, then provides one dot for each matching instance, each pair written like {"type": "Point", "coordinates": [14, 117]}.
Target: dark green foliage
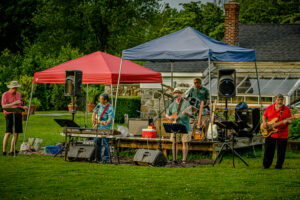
{"type": "Point", "coordinates": [206, 18]}
{"type": "Point", "coordinates": [127, 105]}
{"type": "Point", "coordinates": [269, 12]}
{"type": "Point", "coordinates": [16, 27]}
{"type": "Point", "coordinates": [294, 130]}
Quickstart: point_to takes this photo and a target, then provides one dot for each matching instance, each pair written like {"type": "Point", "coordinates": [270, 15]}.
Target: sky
{"type": "Point", "coordinates": [175, 3]}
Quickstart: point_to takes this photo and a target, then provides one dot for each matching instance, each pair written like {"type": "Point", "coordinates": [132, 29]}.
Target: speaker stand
{"type": "Point", "coordinates": [73, 108]}
{"type": "Point", "coordinates": [227, 142]}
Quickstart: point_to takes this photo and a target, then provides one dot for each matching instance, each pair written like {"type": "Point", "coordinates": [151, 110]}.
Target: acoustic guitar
{"type": "Point", "coordinates": [271, 126]}
{"type": "Point", "coordinates": [212, 131]}
{"type": "Point", "coordinates": [176, 117]}
{"type": "Point", "coordinates": [198, 132]}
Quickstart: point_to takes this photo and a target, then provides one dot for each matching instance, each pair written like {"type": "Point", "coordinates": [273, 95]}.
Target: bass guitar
{"type": "Point", "coordinates": [198, 132]}
{"type": "Point", "coordinates": [176, 117]}
{"type": "Point", "coordinates": [271, 126]}
{"type": "Point", "coordinates": [212, 132]}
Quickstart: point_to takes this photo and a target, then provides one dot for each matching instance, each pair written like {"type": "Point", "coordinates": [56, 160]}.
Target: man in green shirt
{"type": "Point", "coordinates": [199, 92]}
{"type": "Point", "coordinates": [184, 115]}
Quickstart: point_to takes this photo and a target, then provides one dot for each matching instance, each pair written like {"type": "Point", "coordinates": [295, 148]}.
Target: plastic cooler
{"type": "Point", "coordinates": [149, 133]}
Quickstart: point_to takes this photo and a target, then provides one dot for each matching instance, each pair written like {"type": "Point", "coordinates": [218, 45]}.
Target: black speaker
{"type": "Point", "coordinates": [81, 152]}
{"type": "Point", "coordinates": [249, 121]}
{"type": "Point", "coordinates": [73, 83]}
{"type": "Point", "coordinates": [226, 83]}
{"type": "Point", "coordinates": [149, 157]}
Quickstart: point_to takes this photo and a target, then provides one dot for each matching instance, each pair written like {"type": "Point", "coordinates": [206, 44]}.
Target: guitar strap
{"type": "Point", "coordinates": [105, 109]}
{"type": "Point", "coordinates": [179, 106]}
{"type": "Point", "coordinates": [281, 112]}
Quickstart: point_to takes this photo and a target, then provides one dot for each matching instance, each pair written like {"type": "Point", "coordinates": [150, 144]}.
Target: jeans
{"type": "Point", "coordinates": [99, 142]}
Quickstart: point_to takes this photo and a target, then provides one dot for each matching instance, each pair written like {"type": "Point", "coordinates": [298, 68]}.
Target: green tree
{"type": "Point", "coordinates": [206, 18]}
{"type": "Point", "coordinates": [269, 12]}
{"type": "Point", "coordinates": [16, 27]}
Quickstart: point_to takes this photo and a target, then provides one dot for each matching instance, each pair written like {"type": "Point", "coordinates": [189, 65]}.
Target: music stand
{"type": "Point", "coordinates": [228, 125]}
{"type": "Point", "coordinates": [175, 129]}
{"type": "Point", "coordinates": [14, 110]}
{"type": "Point", "coordinates": [66, 123]}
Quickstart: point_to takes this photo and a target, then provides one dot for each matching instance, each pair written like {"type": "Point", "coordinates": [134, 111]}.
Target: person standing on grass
{"type": "Point", "coordinates": [102, 117]}
{"type": "Point", "coordinates": [178, 106]}
{"type": "Point", "coordinates": [282, 112]}
{"type": "Point", "coordinates": [12, 99]}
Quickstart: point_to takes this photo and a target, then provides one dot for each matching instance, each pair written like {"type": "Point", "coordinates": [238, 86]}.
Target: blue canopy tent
{"type": "Point", "coordinates": [187, 45]}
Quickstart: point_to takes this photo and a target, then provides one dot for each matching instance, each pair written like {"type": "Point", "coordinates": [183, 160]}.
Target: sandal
{"type": "Point", "coordinates": [184, 162]}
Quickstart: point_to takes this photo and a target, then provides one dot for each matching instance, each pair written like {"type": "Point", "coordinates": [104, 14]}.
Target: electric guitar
{"type": "Point", "coordinates": [198, 132]}
{"type": "Point", "coordinates": [98, 121]}
{"type": "Point", "coordinates": [176, 117]}
{"type": "Point", "coordinates": [212, 131]}
{"type": "Point", "coordinates": [271, 126]}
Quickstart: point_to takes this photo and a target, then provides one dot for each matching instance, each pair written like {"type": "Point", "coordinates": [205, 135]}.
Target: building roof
{"type": "Point", "coordinates": [271, 42]}
{"type": "Point", "coordinates": [179, 66]}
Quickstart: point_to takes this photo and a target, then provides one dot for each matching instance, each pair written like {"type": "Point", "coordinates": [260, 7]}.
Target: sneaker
{"type": "Point", "coordinates": [174, 162]}
{"type": "Point", "coordinates": [12, 153]}
{"type": "Point", "coordinates": [3, 153]}
{"type": "Point", "coordinates": [278, 167]}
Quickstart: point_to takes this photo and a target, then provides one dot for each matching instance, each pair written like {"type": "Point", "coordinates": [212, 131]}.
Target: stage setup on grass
{"type": "Point", "coordinates": [184, 45]}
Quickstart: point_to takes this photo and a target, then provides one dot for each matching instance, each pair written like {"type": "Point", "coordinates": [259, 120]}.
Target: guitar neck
{"type": "Point", "coordinates": [200, 113]}
{"type": "Point", "coordinates": [180, 114]}
{"type": "Point", "coordinates": [281, 122]}
{"type": "Point", "coordinates": [213, 111]}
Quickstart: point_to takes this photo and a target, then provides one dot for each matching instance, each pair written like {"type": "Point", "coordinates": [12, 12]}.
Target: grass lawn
{"type": "Point", "coordinates": [45, 177]}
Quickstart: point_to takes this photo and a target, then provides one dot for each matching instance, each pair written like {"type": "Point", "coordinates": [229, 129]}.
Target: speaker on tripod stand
{"type": "Point", "coordinates": [227, 89]}
{"type": "Point", "coordinates": [73, 84]}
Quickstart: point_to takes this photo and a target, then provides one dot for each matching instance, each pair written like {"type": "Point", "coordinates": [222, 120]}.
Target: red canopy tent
{"type": "Point", "coordinates": [99, 68]}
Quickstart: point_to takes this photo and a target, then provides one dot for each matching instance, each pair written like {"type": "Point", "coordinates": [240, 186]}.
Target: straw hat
{"type": "Point", "coordinates": [14, 84]}
{"type": "Point", "coordinates": [177, 90]}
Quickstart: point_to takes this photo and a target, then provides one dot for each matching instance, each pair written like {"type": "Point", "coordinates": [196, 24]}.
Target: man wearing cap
{"type": "Point", "coordinates": [179, 105]}
{"type": "Point", "coordinates": [199, 92]}
{"type": "Point", "coordinates": [282, 112]}
{"type": "Point", "coordinates": [12, 99]}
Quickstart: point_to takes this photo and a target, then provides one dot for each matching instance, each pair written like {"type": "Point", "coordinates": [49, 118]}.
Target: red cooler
{"type": "Point", "coordinates": [149, 133]}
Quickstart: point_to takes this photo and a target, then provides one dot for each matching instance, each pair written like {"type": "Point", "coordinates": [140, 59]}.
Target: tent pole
{"type": "Point", "coordinates": [112, 95]}
{"type": "Point", "coordinates": [259, 97]}
{"type": "Point", "coordinates": [210, 111]}
{"type": "Point", "coordinates": [172, 69]}
{"type": "Point", "coordinates": [86, 104]}
{"type": "Point", "coordinates": [117, 92]}
{"type": "Point", "coordinates": [163, 94]}
{"type": "Point", "coordinates": [28, 112]}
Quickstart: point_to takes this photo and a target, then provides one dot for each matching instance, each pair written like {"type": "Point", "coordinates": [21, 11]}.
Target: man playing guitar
{"type": "Point", "coordinates": [102, 117]}
{"type": "Point", "coordinates": [179, 107]}
{"type": "Point", "coordinates": [283, 113]}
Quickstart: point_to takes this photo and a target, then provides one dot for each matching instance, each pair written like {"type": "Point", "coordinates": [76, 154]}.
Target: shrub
{"type": "Point", "coordinates": [127, 105]}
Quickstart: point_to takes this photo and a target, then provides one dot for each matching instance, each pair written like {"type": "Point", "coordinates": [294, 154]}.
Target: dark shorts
{"type": "Point", "coordinates": [18, 123]}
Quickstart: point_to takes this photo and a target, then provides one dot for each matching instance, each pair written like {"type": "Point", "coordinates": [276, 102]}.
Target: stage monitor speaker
{"type": "Point", "coordinates": [81, 152]}
{"type": "Point", "coordinates": [73, 83]}
{"type": "Point", "coordinates": [226, 83]}
{"type": "Point", "coordinates": [149, 157]}
{"type": "Point", "coordinates": [250, 119]}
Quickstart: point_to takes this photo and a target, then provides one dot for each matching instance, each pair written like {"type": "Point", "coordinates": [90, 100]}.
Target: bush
{"type": "Point", "coordinates": [127, 105]}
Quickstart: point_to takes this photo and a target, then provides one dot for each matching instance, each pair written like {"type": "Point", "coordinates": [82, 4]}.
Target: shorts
{"type": "Point", "coordinates": [10, 121]}
{"type": "Point", "coordinates": [180, 137]}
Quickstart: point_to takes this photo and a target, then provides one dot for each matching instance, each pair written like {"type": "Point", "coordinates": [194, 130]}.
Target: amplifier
{"type": "Point", "coordinates": [81, 152]}
{"type": "Point", "coordinates": [149, 157]}
{"type": "Point", "coordinates": [135, 125]}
